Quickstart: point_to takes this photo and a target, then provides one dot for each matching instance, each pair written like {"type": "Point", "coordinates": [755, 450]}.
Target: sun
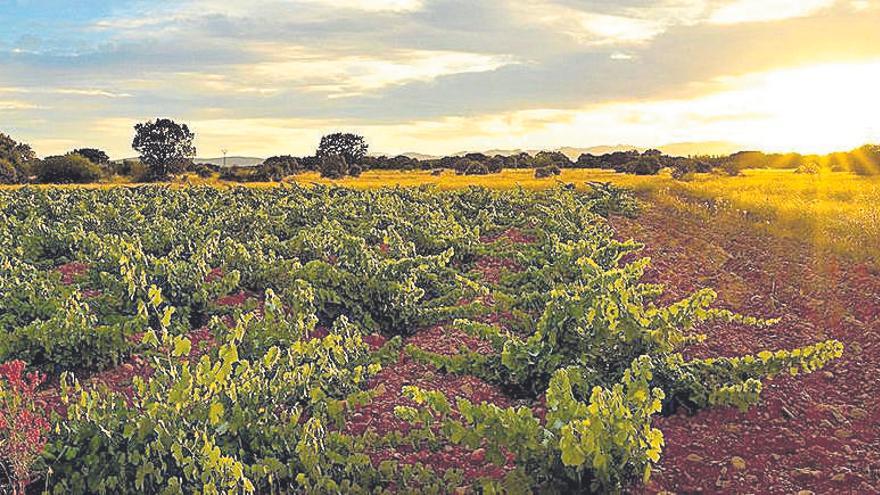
{"type": "Point", "coordinates": [816, 109]}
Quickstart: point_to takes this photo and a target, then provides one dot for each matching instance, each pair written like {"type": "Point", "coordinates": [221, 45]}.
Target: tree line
{"type": "Point", "coordinates": [166, 148]}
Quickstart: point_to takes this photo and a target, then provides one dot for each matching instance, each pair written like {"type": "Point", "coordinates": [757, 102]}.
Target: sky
{"type": "Point", "coordinates": [267, 77]}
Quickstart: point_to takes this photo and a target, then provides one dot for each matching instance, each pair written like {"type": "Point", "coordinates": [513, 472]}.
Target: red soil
{"type": "Point", "coordinates": [814, 433]}
{"type": "Point", "coordinates": [71, 271]}
{"type": "Point", "coordinates": [379, 417]}
{"type": "Point", "coordinates": [448, 341]}
{"type": "Point", "coordinates": [512, 234]}
{"type": "Point", "coordinates": [491, 268]}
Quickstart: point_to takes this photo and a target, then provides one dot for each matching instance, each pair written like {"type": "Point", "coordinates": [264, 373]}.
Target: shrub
{"type": "Point", "coordinates": [467, 166]}
{"type": "Point", "coordinates": [236, 174]}
{"type": "Point", "coordinates": [23, 423]}
{"type": "Point", "coordinates": [94, 155]}
{"type": "Point", "coordinates": [8, 174]}
{"type": "Point", "coordinates": [809, 168]}
{"type": "Point", "coordinates": [548, 171]}
{"type": "Point", "coordinates": [644, 165]}
{"type": "Point", "coordinates": [731, 168]}
{"type": "Point", "coordinates": [203, 170]}
{"type": "Point", "coordinates": [333, 167]}
{"type": "Point", "coordinates": [70, 168]}
{"type": "Point", "coordinates": [16, 160]}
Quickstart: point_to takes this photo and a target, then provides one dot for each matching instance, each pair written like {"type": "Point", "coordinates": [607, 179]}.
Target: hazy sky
{"type": "Point", "coordinates": [262, 77]}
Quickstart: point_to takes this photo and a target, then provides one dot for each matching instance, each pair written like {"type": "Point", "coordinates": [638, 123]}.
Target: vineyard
{"type": "Point", "coordinates": [330, 340]}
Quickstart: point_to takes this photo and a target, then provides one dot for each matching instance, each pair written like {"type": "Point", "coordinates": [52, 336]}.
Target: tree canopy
{"type": "Point", "coordinates": [165, 146]}
{"type": "Point", "coordinates": [351, 147]}
{"type": "Point", "coordinates": [94, 155]}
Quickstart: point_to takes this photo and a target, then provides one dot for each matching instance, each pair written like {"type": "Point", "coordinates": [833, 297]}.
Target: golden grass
{"type": "Point", "coordinates": [834, 211]}
{"type": "Point", "coordinates": [507, 179]}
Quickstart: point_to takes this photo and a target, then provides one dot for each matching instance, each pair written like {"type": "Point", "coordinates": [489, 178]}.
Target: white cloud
{"type": "Point", "coordinates": [371, 5]}
{"type": "Point", "coordinates": [590, 27]}
{"type": "Point", "coordinates": [17, 105]}
{"type": "Point", "coordinates": [741, 11]}
{"type": "Point", "coordinates": [89, 92]}
{"type": "Point", "coordinates": [341, 75]}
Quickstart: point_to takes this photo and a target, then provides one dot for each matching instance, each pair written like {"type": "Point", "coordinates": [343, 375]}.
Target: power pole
{"type": "Point", "coordinates": [224, 156]}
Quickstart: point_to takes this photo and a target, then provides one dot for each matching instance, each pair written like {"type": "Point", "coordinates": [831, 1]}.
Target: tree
{"type": "Point", "coordinates": [70, 168]}
{"type": "Point", "coordinates": [165, 147]}
{"type": "Point", "coordinates": [16, 160]}
{"type": "Point", "coordinates": [94, 155]}
{"type": "Point", "coordinates": [351, 147]}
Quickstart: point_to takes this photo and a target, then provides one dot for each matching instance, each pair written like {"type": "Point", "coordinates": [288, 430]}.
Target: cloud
{"type": "Point", "coordinates": [741, 11]}
{"type": "Point", "coordinates": [298, 68]}
{"type": "Point", "coordinates": [89, 92]}
{"type": "Point", "coordinates": [590, 27]}
{"type": "Point", "coordinates": [65, 91]}
{"type": "Point", "coordinates": [16, 105]}
{"type": "Point", "coordinates": [372, 5]}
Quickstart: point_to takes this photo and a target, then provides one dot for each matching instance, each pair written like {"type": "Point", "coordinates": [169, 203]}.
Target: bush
{"type": "Point", "coordinates": [203, 170]}
{"type": "Point", "coordinates": [131, 168]}
{"type": "Point", "coordinates": [333, 167]}
{"type": "Point", "coordinates": [23, 423]}
{"type": "Point", "coordinates": [731, 168]}
{"type": "Point", "coordinates": [70, 168]}
{"type": "Point", "coordinates": [237, 174]}
{"type": "Point", "coordinates": [467, 166]}
{"type": "Point", "coordinates": [8, 174]}
{"type": "Point", "coordinates": [16, 160]}
{"type": "Point", "coordinates": [94, 155]}
{"type": "Point", "coordinates": [809, 168]}
{"type": "Point", "coordinates": [548, 171]}
{"type": "Point", "coordinates": [682, 174]}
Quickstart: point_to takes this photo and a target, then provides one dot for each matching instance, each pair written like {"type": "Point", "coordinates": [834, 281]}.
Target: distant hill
{"type": "Point", "coordinates": [413, 155]}
{"type": "Point", "coordinates": [673, 149]}
{"type": "Point", "coordinates": [701, 148]}
{"type": "Point", "coordinates": [231, 161]}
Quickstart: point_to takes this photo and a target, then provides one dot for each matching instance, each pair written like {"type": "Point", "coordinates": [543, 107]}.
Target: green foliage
{"type": "Point", "coordinates": [16, 160]}
{"type": "Point", "coordinates": [593, 439]}
{"type": "Point", "coordinates": [165, 147]}
{"type": "Point", "coordinates": [94, 155]}
{"type": "Point", "coordinates": [310, 272]}
{"type": "Point", "coordinates": [246, 418]}
{"type": "Point", "coordinates": [70, 168]}
{"type": "Point", "coordinates": [350, 147]}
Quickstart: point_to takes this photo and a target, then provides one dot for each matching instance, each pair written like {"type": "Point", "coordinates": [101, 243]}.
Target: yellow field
{"type": "Point", "coordinates": [449, 180]}
{"type": "Point", "coordinates": [837, 211]}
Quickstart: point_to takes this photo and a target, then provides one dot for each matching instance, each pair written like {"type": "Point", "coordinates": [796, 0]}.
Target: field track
{"type": "Point", "coordinates": [816, 433]}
